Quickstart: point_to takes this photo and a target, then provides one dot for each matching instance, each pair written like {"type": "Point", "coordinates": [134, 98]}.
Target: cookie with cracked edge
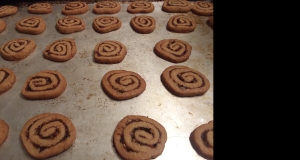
{"type": "Point", "coordinates": [4, 129]}
{"type": "Point", "coordinates": [7, 79]}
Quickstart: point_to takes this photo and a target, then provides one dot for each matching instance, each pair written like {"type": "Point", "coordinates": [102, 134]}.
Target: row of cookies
{"type": "Point", "coordinates": [135, 136]}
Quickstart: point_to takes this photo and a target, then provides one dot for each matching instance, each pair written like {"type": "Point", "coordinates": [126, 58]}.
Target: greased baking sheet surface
{"type": "Point", "coordinates": [92, 112]}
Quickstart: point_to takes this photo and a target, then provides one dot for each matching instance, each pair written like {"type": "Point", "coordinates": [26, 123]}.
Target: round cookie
{"type": "Point", "coordinates": [173, 50]}
{"type": "Point", "coordinates": [176, 6]}
{"type": "Point", "coordinates": [181, 24]}
{"type": "Point", "coordinates": [203, 8]}
{"type": "Point", "coordinates": [210, 22]}
{"type": "Point", "coordinates": [106, 7]}
{"type": "Point", "coordinates": [8, 10]}
{"type": "Point", "coordinates": [202, 140]}
{"type": "Point", "coordinates": [7, 79]}
{"type": "Point", "coordinates": [17, 49]}
{"type": "Point", "coordinates": [43, 85]}
{"type": "Point", "coordinates": [143, 24]}
{"type": "Point", "coordinates": [105, 24]}
{"type": "Point", "coordinates": [2, 25]}
{"type": "Point", "coordinates": [4, 129]}
{"type": "Point", "coordinates": [74, 8]}
{"type": "Point", "coordinates": [109, 52]}
{"type": "Point", "coordinates": [31, 25]}
{"type": "Point", "coordinates": [70, 24]}
{"type": "Point", "coordinates": [60, 50]}
{"type": "Point", "coordinates": [122, 84]}
{"type": "Point", "coordinates": [140, 7]}
{"type": "Point", "coordinates": [47, 134]}
{"type": "Point", "coordinates": [40, 8]}
{"type": "Point", "coordinates": [139, 137]}
{"type": "Point", "coordinates": [183, 81]}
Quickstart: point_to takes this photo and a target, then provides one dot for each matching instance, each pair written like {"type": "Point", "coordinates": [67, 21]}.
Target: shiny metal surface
{"type": "Point", "coordinates": [93, 113]}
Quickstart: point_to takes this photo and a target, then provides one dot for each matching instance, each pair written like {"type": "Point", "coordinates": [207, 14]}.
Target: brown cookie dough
{"type": "Point", "coordinates": [31, 25]}
{"type": "Point", "coordinates": [70, 24]}
{"type": "Point", "coordinates": [40, 8]}
{"type": "Point", "coordinates": [17, 49]}
{"type": "Point", "coordinates": [109, 52]}
{"type": "Point", "coordinates": [8, 10]}
{"type": "Point", "coordinates": [202, 140]}
{"type": "Point", "coordinates": [7, 79]}
{"type": "Point", "coordinates": [122, 84]}
{"type": "Point", "coordinates": [105, 24]}
{"type": "Point", "coordinates": [143, 24]}
{"type": "Point", "coordinates": [106, 7]}
{"type": "Point", "coordinates": [2, 25]}
{"type": "Point", "coordinates": [60, 50]}
{"type": "Point", "coordinates": [203, 8]}
{"type": "Point", "coordinates": [4, 129]}
{"type": "Point", "coordinates": [140, 7]}
{"type": "Point", "coordinates": [181, 24]}
{"type": "Point", "coordinates": [173, 50]}
{"type": "Point", "coordinates": [47, 134]}
{"type": "Point", "coordinates": [45, 84]}
{"type": "Point", "coordinates": [139, 137]}
{"type": "Point", "coordinates": [176, 6]}
{"type": "Point", "coordinates": [74, 8]}
{"type": "Point", "coordinates": [183, 81]}
{"type": "Point", "coordinates": [210, 22]}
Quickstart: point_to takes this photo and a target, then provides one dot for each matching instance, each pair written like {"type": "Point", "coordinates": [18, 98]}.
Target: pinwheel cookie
{"type": "Point", "coordinates": [143, 24]}
{"type": "Point", "coordinates": [47, 134]}
{"type": "Point", "coordinates": [122, 84]}
{"type": "Point", "coordinates": [203, 8]}
{"type": "Point", "coordinates": [40, 8]}
{"type": "Point", "coordinates": [60, 50]}
{"type": "Point", "coordinates": [181, 24]}
{"type": "Point", "coordinates": [140, 7]}
{"type": "Point", "coordinates": [31, 25]}
{"type": "Point", "coordinates": [7, 79]}
{"type": "Point", "coordinates": [109, 52]}
{"type": "Point", "coordinates": [17, 49]}
{"type": "Point", "coordinates": [8, 10]}
{"type": "Point", "coordinates": [176, 6]}
{"type": "Point", "coordinates": [45, 84]}
{"type": "Point", "coordinates": [4, 129]}
{"type": "Point", "coordinates": [106, 7]}
{"type": "Point", "coordinates": [183, 81]}
{"type": "Point", "coordinates": [73, 8]}
{"type": "Point", "coordinates": [139, 137]}
{"type": "Point", "coordinates": [105, 24]}
{"type": "Point", "coordinates": [2, 25]}
{"type": "Point", "coordinates": [202, 140]}
{"type": "Point", "coordinates": [70, 24]}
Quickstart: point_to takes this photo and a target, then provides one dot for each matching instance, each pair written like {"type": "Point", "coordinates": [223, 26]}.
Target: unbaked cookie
{"type": "Point", "coordinates": [40, 8]}
{"type": "Point", "coordinates": [8, 10]}
{"type": "Point", "coordinates": [140, 7]}
{"type": "Point", "coordinates": [31, 25]}
{"type": "Point", "coordinates": [139, 137]}
{"type": "Point", "coordinates": [4, 129]}
{"type": "Point", "coordinates": [60, 50]}
{"type": "Point", "coordinates": [202, 140]}
{"type": "Point", "coordinates": [105, 24]}
{"type": "Point", "coordinates": [47, 134]}
{"type": "Point", "coordinates": [45, 84]}
{"type": "Point", "coordinates": [2, 25]}
{"type": "Point", "coordinates": [181, 24]}
{"type": "Point", "coordinates": [74, 8]}
{"type": "Point", "coordinates": [7, 79]}
{"type": "Point", "coordinates": [203, 8]}
{"type": "Point", "coordinates": [173, 50]}
{"type": "Point", "coordinates": [106, 7]}
{"type": "Point", "coordinates": [176, 6]}
{"type": "Point", "coordinates": [70, 24]}
{"type": "Point", "coordinates": [143, 24]}
{"type": "Point", "coordinates": [210, 22]}
{"type": "Point", "coordinates": [183, 81]}
{"type": "Point", "coordinates": [109, 52]}
{"type": "Point", "coordinates": [17, 49]}
{"type": "Point", "coordinates": [122, 84]}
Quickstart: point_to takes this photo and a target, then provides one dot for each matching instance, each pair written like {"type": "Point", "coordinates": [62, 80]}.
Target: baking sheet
{"type": "Point", "coordinates": [92, 112]}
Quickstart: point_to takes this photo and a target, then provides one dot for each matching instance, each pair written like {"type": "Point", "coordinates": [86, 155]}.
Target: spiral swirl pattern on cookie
{"type": "Point", "coordinates": [17, 49]}
{"type": "Point", "coordinates": [143, 24]}
{"type": "Point", "coordinates": [32, 22]}
{"type": "Point", "coordinates": [140, 7]}
{"type": "Point", "coordinates": [110, 52]}
{"type": "Point", "coordinates": [75, 5]}
{"type": "Point", "coordinates": [61, 50]}
{"type": "Point", "coordinates": [106, 7]}
{"type": "Point", "coordinates": [70, 21]}
{"type": "Point", "coordinates": [139, 137]}
{"type": "Point", "coordinates": [203, 8]}
{"type": "Point", "coordinates": [104, 24]}
{"type": "Point", "coordinates": [31, 25]}
{"type": "Point", "coordinates": [47, 134]}
{"type": "Point", "coordinates": [181, 24]}
{"type": "Point", "coordinates": [40, 8]}
{"type": "Point", "coordinates": [180, 3]}
{"type": "Point", "coordinates": [7, 10]}
{"type": "Point", "coordinates": [7, 79]}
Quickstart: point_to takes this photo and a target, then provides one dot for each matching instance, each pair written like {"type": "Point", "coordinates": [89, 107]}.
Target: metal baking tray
{"type": "Point", "coordinates": [93, 113]}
